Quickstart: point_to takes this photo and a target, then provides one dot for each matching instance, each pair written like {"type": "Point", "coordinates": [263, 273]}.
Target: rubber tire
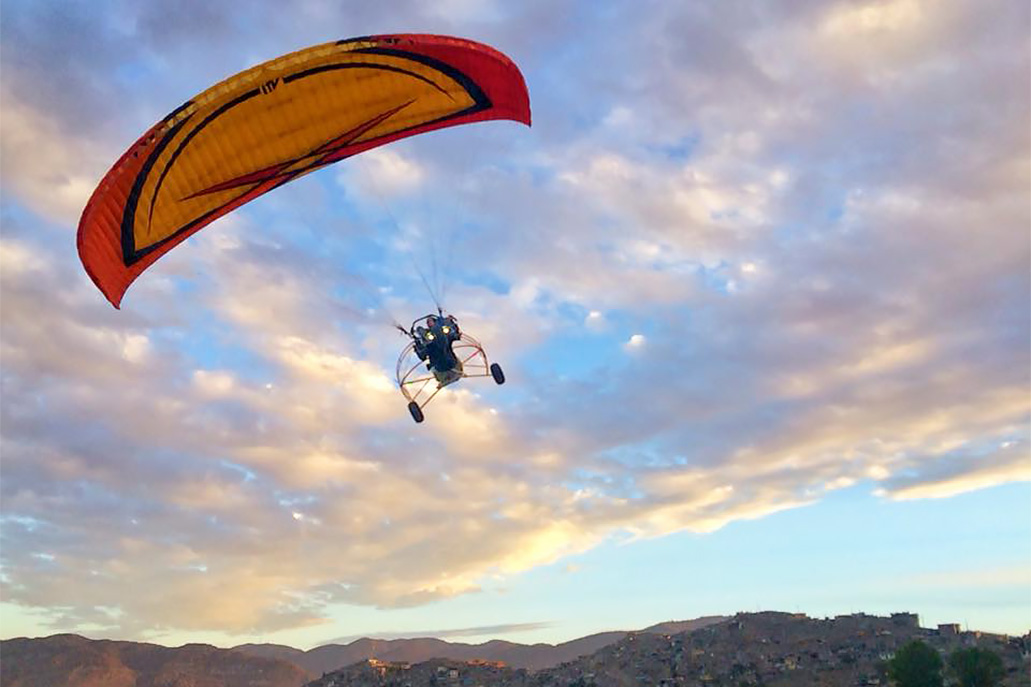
{"type": "Point", "coordinates": [416, 411]}
{"type": "Point", "coordinates": [496, 373]}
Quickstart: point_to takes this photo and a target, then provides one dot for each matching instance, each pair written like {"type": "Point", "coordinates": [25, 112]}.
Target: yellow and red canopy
{"type": "Point", "coordinates": [275, 122]}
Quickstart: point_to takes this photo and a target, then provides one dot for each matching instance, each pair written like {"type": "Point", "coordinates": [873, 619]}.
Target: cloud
{"type": "Point", "coordinates": [961, 472]}
{"type": "Point", "coordinates": [382, 173]}
{"type": "Point", "coordinates": [481, 631]}
{"type": "Point", "coordinates": [634, 342]}
{"type": "Point", "coordinates": [51, 173]}
{"type": "Point", "coordinates": [975, 578]}
{"type": "Point", "coordinates": [900, 15]}
{"type": "Point", "coordinates": [595, 320]}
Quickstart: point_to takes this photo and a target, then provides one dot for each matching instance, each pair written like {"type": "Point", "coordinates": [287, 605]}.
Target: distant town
{"type": "Point", "coordinates": [751, 649]}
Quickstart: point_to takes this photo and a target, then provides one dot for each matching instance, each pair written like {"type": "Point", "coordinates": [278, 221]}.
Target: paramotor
{"type": "Point", "coordinates": [438, 355]}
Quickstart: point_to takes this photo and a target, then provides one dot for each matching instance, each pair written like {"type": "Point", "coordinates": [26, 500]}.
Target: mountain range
{"type": "Point", "coordinates": [529, 656]}
{"type": "Point", "coordinates": [769, 648]}
{"type": "Point", "coordinates": [68, 660]}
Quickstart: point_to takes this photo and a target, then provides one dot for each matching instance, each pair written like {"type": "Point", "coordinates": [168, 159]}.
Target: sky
{"type": "Point", "coordinates": [759, 276]}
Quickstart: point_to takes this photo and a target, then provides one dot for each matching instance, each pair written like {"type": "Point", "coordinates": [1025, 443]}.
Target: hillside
{"type": "Point", "coordinates": [768, 649]}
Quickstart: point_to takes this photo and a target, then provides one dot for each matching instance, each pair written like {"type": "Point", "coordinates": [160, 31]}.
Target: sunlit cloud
{"type": "Point", "coordinates": [635, 341]}
{"type": "Point", "coordinates": [957, 474]}
{"type": "Point", "coordinates": [382, 173]}
{"type": "Point", "coordinates": [51, 172]}
{"type": "Point", "coordinates": [875, 16]}
{"type": "Point", "coordinates": [595, 320]}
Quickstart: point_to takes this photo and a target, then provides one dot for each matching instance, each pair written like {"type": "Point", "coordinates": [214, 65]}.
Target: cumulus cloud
{"type": "Point", "coordinates": [636, 341]}
{"type": "Point", "coordinates": [595, 320]}
{"type": "Point", "coordinates": [817, 217]}
{"type": "Point", "coordinates": [49, 172]}
{"type": "Point", "coordinates": [382, 173]}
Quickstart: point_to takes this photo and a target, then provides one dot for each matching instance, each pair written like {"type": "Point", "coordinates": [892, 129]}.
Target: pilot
{"type": "Point", "coordinates": [433, 343]}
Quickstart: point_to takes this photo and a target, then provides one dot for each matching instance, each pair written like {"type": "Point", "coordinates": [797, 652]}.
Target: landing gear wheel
{"type": "Point", "coordinates": [416, 411]}
{"type": "Point", "coordinates": [496, 373]}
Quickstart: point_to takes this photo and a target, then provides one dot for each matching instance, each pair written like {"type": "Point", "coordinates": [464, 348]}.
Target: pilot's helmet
{"type": "Point", "coordinates": [431, 321]}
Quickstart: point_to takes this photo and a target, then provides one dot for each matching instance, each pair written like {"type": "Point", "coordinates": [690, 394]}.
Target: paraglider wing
{"type": "Point", "coordinates": [275, 122]}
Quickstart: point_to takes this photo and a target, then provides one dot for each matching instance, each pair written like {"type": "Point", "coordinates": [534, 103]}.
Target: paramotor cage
{"type": "Point", "coordinates": [420, 381]}
{"type": "Point", "coordinates": [419, 385]}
